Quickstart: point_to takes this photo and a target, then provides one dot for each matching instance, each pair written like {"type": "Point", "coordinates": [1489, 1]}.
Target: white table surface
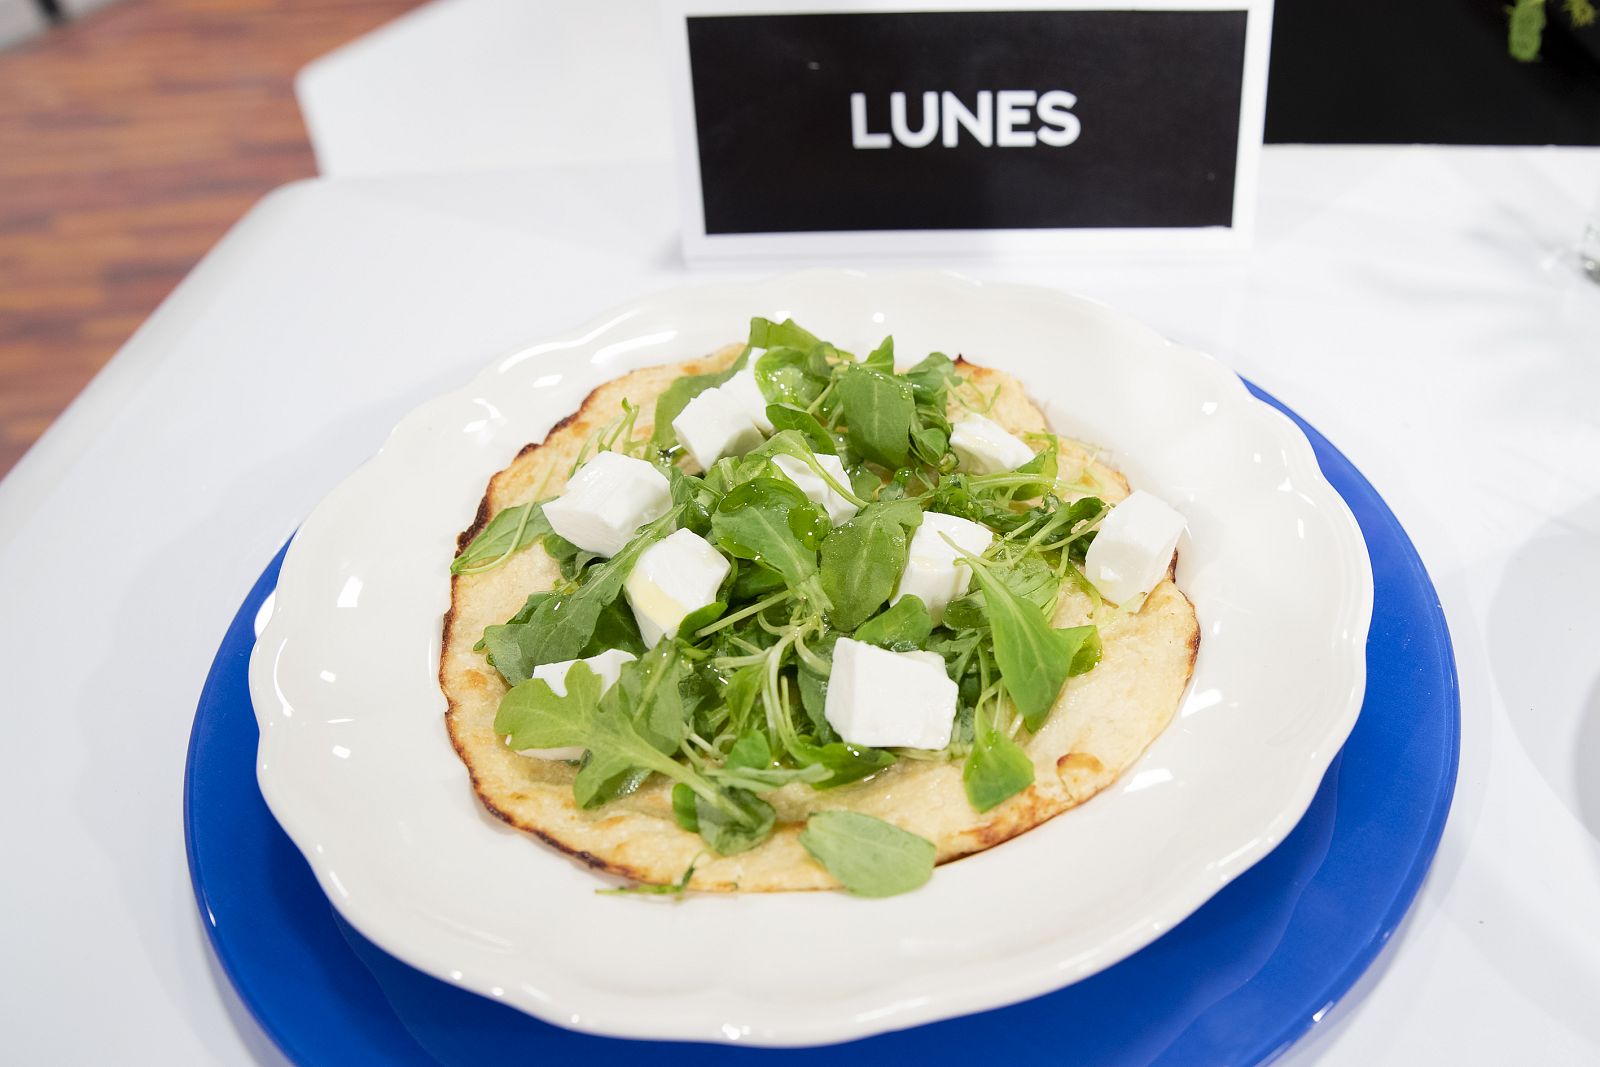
{"type": "Point", "coordinates": [471, 85]}
{"type": "Point", "coordinates": [1414, 304]}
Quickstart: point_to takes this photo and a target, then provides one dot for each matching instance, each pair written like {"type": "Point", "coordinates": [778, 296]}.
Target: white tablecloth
{"type": "Point", "coordinates": [1419, 306]}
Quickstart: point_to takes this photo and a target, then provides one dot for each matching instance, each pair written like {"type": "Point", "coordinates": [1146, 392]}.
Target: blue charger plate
{"type": "Point", "coordinates": [1237, 982]}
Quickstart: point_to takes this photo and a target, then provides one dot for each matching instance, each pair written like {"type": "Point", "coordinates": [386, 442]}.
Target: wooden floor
{"type": "Point", "coordinates": [129, 142]}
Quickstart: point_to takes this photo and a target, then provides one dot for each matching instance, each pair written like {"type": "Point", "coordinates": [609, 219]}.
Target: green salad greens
{"type": "Point", "coordinates": [732, 708]}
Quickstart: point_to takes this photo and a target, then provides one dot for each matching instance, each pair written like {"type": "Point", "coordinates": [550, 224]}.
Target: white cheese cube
{"type": "Point", "coordinates": [713, 425]}
{"type": "Point", "coordinates": [986, 447]}
{"type": "Point", "coordinates": [608, 665]}
{"type": "Point", "coordinates": [606, 502]}
{"type": "Point", "coordinates": [676, 575]}
{"type": "Point", "coordinates": [934, 570]}
{"type": "Point", "coordinates": [885, 699]}
{"type": "Point", "coordinates": [816, 490]}
{"type": "Point", "coordinates": [743, 390]}
{"type": "Point", "coordinates": [1133, 548]}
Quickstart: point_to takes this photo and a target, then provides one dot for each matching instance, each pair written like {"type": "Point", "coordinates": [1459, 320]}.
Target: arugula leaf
{"type": "Point", "coordinates": [930, 443]}
{"type": "Point", "coordinates": [966, 612]}
{"type": "Point", "coordinates": [740, 694]}
{"type": "Point", "coordinates": [614, 627]}
{"type": "Point", "coordinates": [931, 379]}
{"type": "Point", "coordinates": [844, 762]}
{"type": "Point", "coordinates": [751, 752]}
{"type": "Point", "coordinates": [862, 560]}
{"type": "Point", "coordinates": [879, 412]}
{"type": "Point", "coordinates": [869, 857]}
{"type": "Point", "coordinates": [743, 823]}
{"type": "Point", "coordinates": [1034, 658]}
{"type": "Point", "coordinates": [997, 769]}
{"type": "Point", "coordinates": [785, 417]}
{"type": "Point", "coordinates": [500, 642]}
{"type": "Point", "coordinates": [752, 581]}
{"type": "Point", "coordinates": [755, 521]}
{"type": "Point", "coordinates": [531, 715]}
{"type": "Point", "coordinates": [636, 724]}
{"type": "Point", "coordinates": [814, 700]}
{"type": "Point", "coordinates": [866, 484]}
{"type": "Point", "coordinates": [604, 778]}
{"type": "Point", "coordinates": [509, 532]}
{"type": "Point", "coordinates": [954, 496]}
{"type": "Point", "coordinates": [788, 376]}
{"type": "Point", "coordinates": [700, 618]}
{"type": "Point", "coordinates": [670, 404]}
{"type": "Point", "coordinates": [981, 500]}
{"type": "Point", "coordinates": [696, 497]}
{"type": "Point", "coordinates": [761, 780]}
{"type": "Point", "coordinates": [723, 475]}
{"type": "Point", "coordinates": [648, 690]}
{"type": "Point", "coordinates": [1044, 464]}
{"type": "Point", "coordinates": [882, 357]}
{"type": "Point", "coordinates": [750, 766]}
{"type": "Point", "coordinates": [1083, 510]}
{"type": "Point", "coordinates": [569, 557]}
{"type": "Point", "coordinates": [561, 626]}
{"type": "Point", "coordinates": [764, 333]}
{"type": "Point", "coordinates": [904, 625]}
{"type": "Point", "coordinates": [683, 808]}
{"type": "Point", "coordinates": [1030, 578]}
{"type": "Point", "coordinates": [1086, 655]}
{"type": "Point", "coordinates": [810, 525]}
{"type": "Point", "coordinates": [821, 362]}
{"type": "Point", "coordinates": [531, 605]}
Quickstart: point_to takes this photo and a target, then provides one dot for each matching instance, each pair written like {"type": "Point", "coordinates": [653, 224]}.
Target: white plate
{"type": "Point", "coordinates": [356, 765]}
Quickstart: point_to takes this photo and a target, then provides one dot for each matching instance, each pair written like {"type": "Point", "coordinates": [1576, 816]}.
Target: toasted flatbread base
{"type": "Point", "coordinates": [1102, 722]}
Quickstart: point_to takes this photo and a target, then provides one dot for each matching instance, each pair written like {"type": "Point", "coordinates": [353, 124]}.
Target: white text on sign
{"type": "Point", "coordinates": [1001, 119]}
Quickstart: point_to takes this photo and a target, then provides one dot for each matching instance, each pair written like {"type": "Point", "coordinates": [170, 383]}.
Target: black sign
{"type": "Point", "coordinates": [967, 120]}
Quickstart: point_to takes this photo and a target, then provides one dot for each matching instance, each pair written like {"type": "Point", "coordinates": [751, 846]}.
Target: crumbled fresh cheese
{"type": "Point", "coordinates": [715, 424]}
{"type": "Point", "coordinates": [743, 390]}
{"type": "Point", "coordinates": [986, 447]}
{"type": "Point", "coordinates": [1133, 548]}
{"type": "Point", "coordinates": [934, 571]}
{"type": "Point", "coordinates": [676, 575]}
{"type": "Point", "coordinates": [885, 699]}
{"type": "Point", "coordinates": [818, 491]}
{"type": "Point", "coordinates": [606, 502]}
{"type": "Point", "coordinates": [608, 665]}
